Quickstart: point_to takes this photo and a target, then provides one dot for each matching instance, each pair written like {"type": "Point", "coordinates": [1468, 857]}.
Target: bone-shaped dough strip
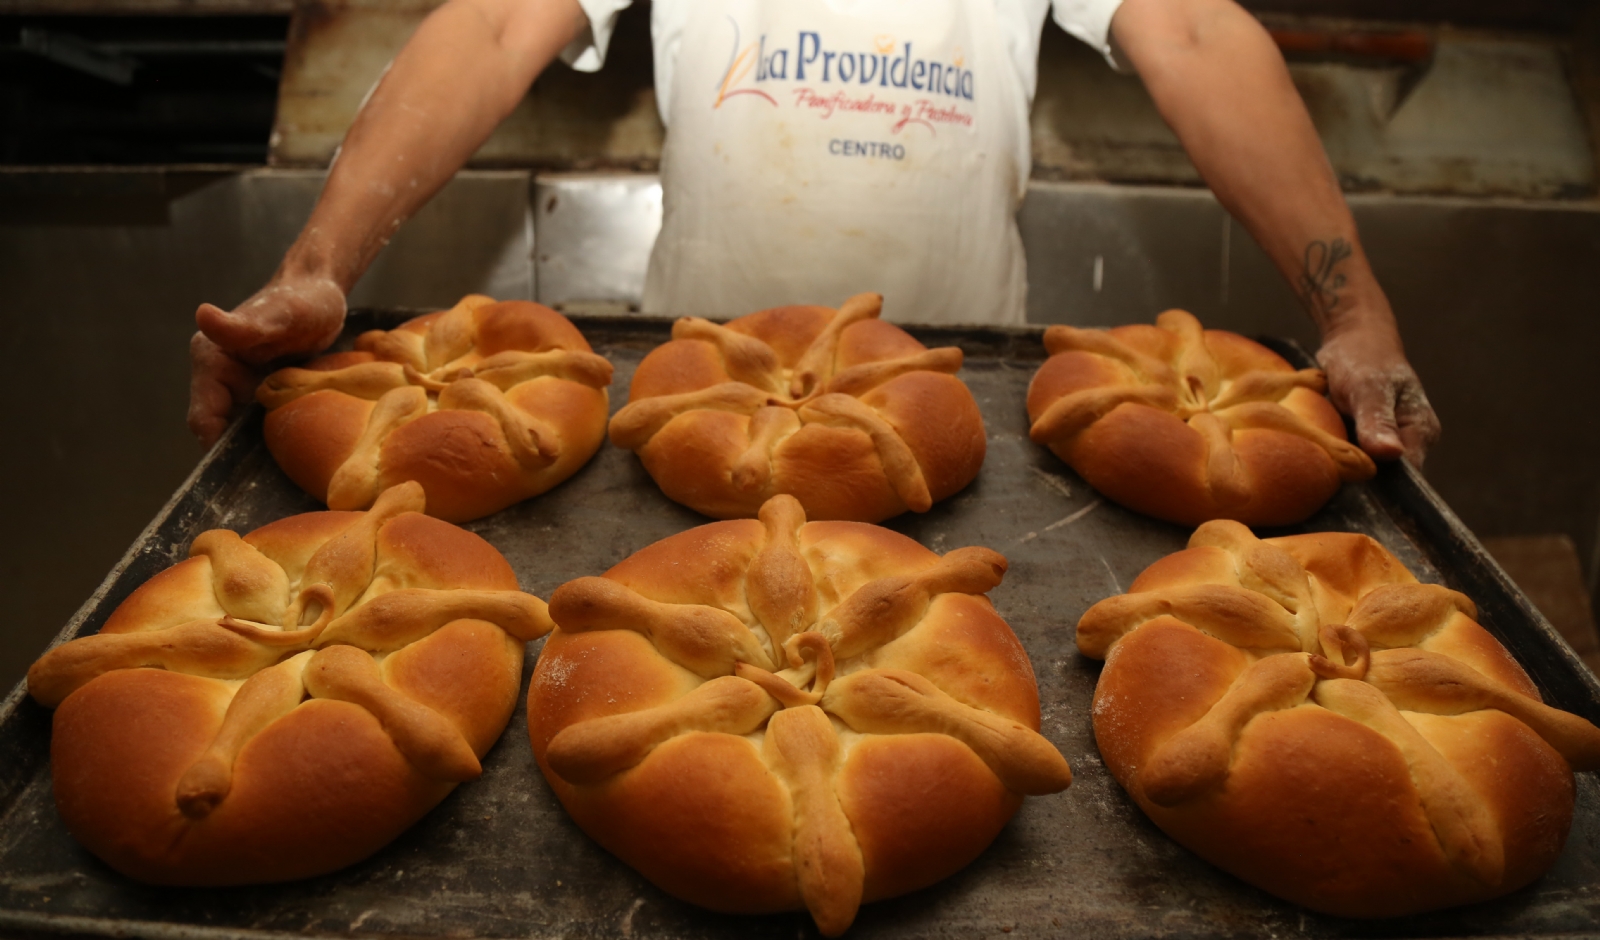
{"type": "Point", "coordinates": [355, 484]}
{"type": "Point", "coordinates": [247, 583]}
{"type": "Point", "coordinates": [438, 379]}
{"type": "Point", "coordinates": [369, 380]}
{"type": "Point", "coordinates": [1264, 568]}
{"type": "Point", "coordinates": [404, 347]}
{"type": "Point", "coordinates": [1200, 372]}
{"type": "Point", "coordinates": [199, 647]}
{"type": "Point", "coordinates": [637, 422]}
{"type": "Point", "coordinates": [451, 335]}
{"type": "Point", "coordinates": [1462, 823]}
{"type": "Point", "coordinates": [397, 619]}
{"type": "Point", "coordinates": [262, 699]}
{"type": "Point", "coordinates": [1422, 681]}
{"type": "Point", "coordinates": [899, 463]}
{"type": "Point", "coordinates": [802, 749]}
{"type": "Point", "coordinates": [597, 749]}
{"type": "Point", "coordinates": [892, 701]}
{"type": "Point", "coordinates": [860, 379]}
{"type": "Point", "coordinates": [1232, 537]}
{"type": "Point", "coordinates": [1198, 758]}
{"type": "Point", "coordinates": [779, 585]}
{"type": "Point", "coordinates": [706, 641]}
{"type": "Point", "coordinates": [341, 569]}
{"type": "Point", "coordinates": [1059, 339]}
{"type": "Point", "coordinates": [768, 427]}
{"type": "Point", "coordinates": [1071, 414]}
{"type": "Point", "coordinates": [1407, 614]}
{"type": "Point", "coordinates": [816, 365]}
{"type": "Point", "coordinates": [430, 742]}
{"type": "Point", "coordinates": [512, 367]}
{"type": "Point", "coordinates": [883, 609]}
{"type": "Point", "coordinates": [1352, 461]}
{"type": "Point", "coordinates": [745, 358]}
{"type": "Point", "coordinates": [1261, 385]}
{"type": "Point", "coordinates": [1224, 476]}
{"type": "Point", "coordinates": [786, 693]}
{"type": "Point", "coordinates": [1236, 616]}
{"type": "Point", "coordinates": [299, 639]}
{"type": "Point", "coordinates": [534, 444]}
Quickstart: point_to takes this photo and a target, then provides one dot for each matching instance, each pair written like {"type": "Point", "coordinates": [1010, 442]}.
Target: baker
{"type": "Point", "coordinates": [816, 148]}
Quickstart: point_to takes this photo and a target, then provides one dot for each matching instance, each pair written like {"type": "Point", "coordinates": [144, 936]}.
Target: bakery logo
{"type": "Point", "coordinates": [740, 62]}
{"type": "Point", "coordinates": [844, 80]}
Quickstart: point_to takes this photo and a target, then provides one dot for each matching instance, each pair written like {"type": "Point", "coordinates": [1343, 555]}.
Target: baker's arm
{"type": "Point", "coordinates": [1221, 84]}
{"type": "Point", "coordinates": [463, 71]}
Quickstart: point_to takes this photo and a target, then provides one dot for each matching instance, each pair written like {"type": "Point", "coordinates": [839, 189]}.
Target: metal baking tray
{"type": "Point", "coordinates": [500, 858]}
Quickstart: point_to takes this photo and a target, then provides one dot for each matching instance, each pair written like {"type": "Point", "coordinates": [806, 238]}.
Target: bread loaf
{"type": "Point", "coordinates": [1188, 424]}
{"type": "Point", "coordinates": [284, 704]}
{"type": "Point", "coordinates": [764, 715]}
{"type": "Point", "coordinates": [837, 408]}
{"type": "Point", "coordinates": [485, 405]}
{"type": "Point", "coordinates": [1303, 713]}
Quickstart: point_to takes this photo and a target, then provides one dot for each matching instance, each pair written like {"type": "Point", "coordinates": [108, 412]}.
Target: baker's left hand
{"type": "Point", "coordinates": [1370, 380]}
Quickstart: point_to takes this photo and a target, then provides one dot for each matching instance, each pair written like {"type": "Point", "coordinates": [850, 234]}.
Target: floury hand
{"type": "Point", "coordinates": [227, 356]}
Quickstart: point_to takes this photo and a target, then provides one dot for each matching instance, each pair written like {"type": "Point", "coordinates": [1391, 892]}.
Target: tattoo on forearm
{"type": "Point", "coordinates": [1319, 281]}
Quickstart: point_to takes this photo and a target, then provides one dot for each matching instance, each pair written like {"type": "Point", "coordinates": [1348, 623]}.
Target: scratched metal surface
{"type": "Point", "coordinates": [499, 858]}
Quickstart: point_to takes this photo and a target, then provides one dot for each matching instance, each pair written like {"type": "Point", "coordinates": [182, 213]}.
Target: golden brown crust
{"type": "Point", "coordinates": [848, 414]}
{"type": "Point", "coordinates": [427, 553]}
{"type": "Point", "coordinates": [312, 436]}
{"type": "Point", "coordinates": [705, 564]}
{"type": "Point", "coordinates": [1188, 425]}
{"type": "Point", "coordinates": [1385, 757]}
{"type": "Point", "coordinates": [275, 823]}
{"type": "Point", "coordinates": [764, 715]}
{"type": "Point", "coordinates": [835, 473]}
{"type": "Point", "coordinates": [460, 458]}
{"type": "Point", "coordinates": [909, 844]}
{"type": "Point", "coordinates": [386, 662]}
{"type": "Point", "coordinates": [1355, 791]}
{"type": "Point", "coordinates": [531, 327]}
{"type": "Point", "coordinates": [951, 449]}
{"type": "Point", "coordinates": [875, 341]}
{"type": "Point", "coordinates": [675, 816]}
{"type": "Point", "coordinates": [485, 404]}
{"type": "Point", "coordinates": [676, 367]}
{"type": "Point", "coordinates": [788, 330]}
{"type": "Point", "coordinates": [469, 671]}
{"type": "Point", "coordinates": [175, 595]}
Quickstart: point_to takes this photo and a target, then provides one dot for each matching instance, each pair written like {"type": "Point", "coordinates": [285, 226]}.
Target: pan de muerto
{"type": "Point", "coordinates": [286, 703]}
{"type": "Point", "coordinates": [763, 715]}
{"type": "Point", "coordinates": [1188, 424]}
{"type": "Point", "coordinates": [844, 412]}
{"type": "Point", "coordinates": [485, 405]}
{"type": "Point", "coordinates": [1303, 713]}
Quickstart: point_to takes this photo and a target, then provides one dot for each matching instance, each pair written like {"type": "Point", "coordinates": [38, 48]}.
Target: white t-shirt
{"type": "Point", "coordinates": [1021, 23]}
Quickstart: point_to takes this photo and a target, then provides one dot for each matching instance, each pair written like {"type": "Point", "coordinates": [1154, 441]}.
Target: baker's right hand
{"type": "Point", "coordinates": [218, 385]}
{"type": "Point", "coordinates": [287, 318]}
